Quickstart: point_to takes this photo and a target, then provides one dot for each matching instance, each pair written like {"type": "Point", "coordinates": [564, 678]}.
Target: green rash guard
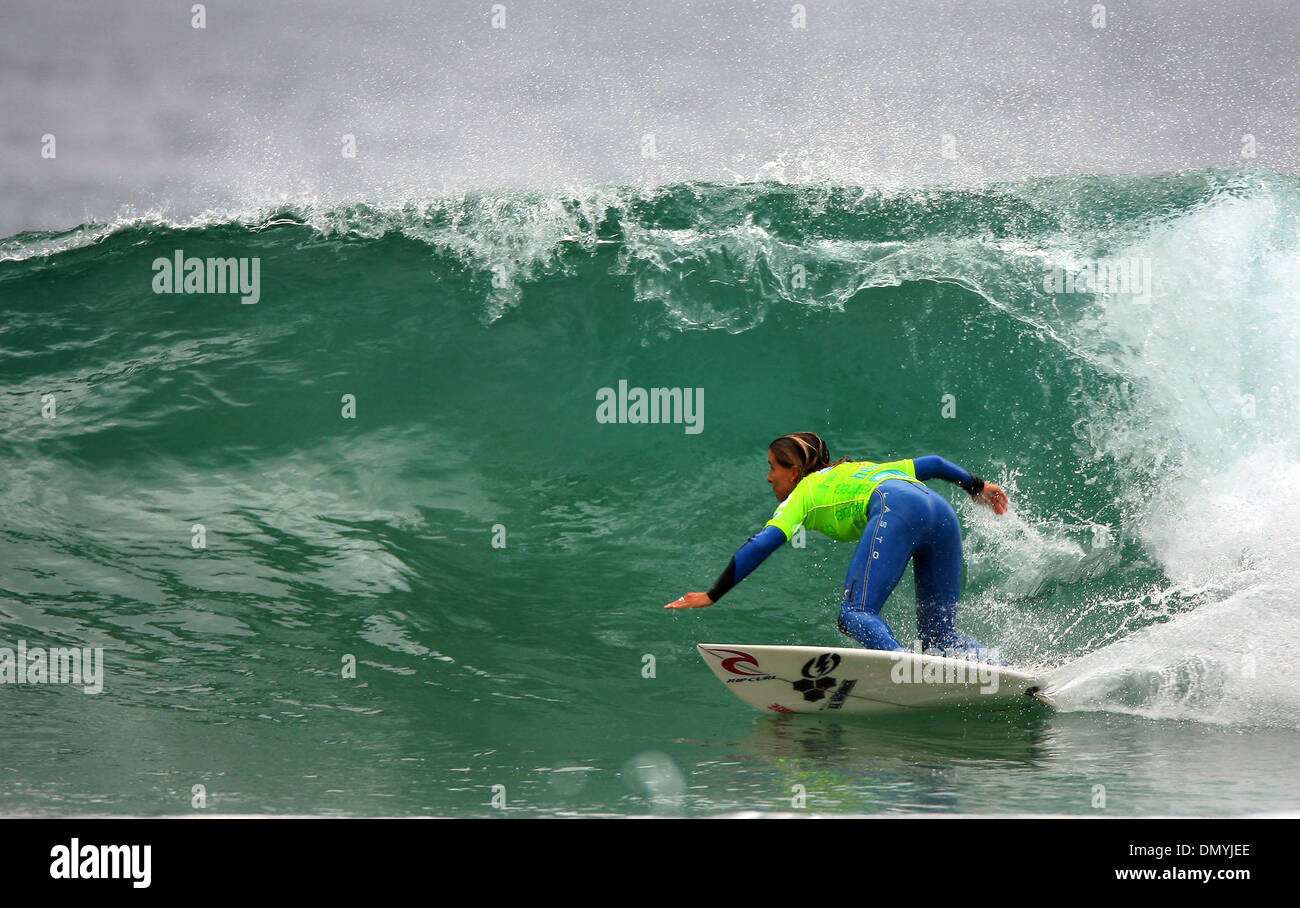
{"type": "Point", "coordinates": [834, 499]}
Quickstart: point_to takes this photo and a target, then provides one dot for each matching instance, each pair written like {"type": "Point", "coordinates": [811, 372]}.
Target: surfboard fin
{"type": "Point", "coordinates": [1037, 694]}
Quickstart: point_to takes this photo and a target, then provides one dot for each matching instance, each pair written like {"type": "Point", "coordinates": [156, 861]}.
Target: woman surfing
{"type": "Point", "coordinates": [906, 521]}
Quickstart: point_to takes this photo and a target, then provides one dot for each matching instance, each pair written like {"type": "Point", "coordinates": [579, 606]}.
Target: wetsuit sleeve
{"type": "Point", "coordinates": [748, 556]}
{"type": "Point", "coordinates": [935, 467]}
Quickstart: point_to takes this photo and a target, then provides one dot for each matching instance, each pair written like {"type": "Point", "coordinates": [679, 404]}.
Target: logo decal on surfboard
{"type": "Point", "coordinates": [838, 698]}
{"type": "Point", "coordinates": [820, 665]}
{"type": "Point", "coordinates": [737, 658]}
{"type": "Point", "coordinates": [816, 678]}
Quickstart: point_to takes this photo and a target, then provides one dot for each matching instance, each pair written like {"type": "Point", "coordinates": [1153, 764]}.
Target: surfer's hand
{"type": "Point", "coordinates": [993, 496]}
{"type": "Point", "coordinates": [691, 600]}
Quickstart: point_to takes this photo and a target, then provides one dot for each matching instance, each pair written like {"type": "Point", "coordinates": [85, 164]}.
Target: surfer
{"type": "Point", "coordinates": [907, 521]}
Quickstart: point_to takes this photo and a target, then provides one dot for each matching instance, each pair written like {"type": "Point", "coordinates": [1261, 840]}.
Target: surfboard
{"type": "Point", "coordinates": [850, 681]}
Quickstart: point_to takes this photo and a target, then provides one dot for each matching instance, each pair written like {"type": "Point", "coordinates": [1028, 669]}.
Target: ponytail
{"type": "Point", "coordinates": [804, 451]}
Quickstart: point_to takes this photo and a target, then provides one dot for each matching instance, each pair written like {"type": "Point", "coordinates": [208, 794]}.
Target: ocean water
{"type": "Point", "coordinates": [363, 547]}
{"type": "Point", "coordinates": [361, 544]}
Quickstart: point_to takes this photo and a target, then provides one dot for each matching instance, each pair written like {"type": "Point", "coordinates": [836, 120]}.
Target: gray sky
{"type": "Point", "coordinates": [152, 113]}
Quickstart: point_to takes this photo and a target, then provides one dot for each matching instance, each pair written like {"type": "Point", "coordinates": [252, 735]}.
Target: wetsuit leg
{"type": "Point", "coordinates": [875, 570]}
{"type": "Point", "coordinates": [937, 564]}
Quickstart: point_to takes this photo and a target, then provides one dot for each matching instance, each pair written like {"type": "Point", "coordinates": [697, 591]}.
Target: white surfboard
{"type": "Point", "coordinates": [831, 680]}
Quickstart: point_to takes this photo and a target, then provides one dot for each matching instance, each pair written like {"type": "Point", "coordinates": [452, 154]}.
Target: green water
{"type": "Point", "coordinates": [493, 560]}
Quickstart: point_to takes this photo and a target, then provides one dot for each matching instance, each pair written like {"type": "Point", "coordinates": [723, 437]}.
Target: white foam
{"type": "Point", "coordinates": [1208, 433]}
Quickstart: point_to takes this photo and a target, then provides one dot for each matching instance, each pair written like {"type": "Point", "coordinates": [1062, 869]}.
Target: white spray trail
{"type": "Point", "coordinates": [1214, 360]}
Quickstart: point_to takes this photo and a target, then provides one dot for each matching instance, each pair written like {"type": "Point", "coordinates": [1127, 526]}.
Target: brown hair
{"type": "Point", "coordinates": [803, 450]}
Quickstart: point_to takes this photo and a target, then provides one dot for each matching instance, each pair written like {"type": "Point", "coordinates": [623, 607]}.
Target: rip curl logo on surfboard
{"type": "Point", "coordinates": [736, 661]}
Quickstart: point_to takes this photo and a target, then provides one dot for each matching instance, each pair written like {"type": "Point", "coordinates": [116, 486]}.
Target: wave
{"type": "Point", "coordinates": [1147, 440]}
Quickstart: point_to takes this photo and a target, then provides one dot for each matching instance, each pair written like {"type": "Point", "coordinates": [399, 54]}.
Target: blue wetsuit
{"type": "Point", "coordinates": [905, 521]}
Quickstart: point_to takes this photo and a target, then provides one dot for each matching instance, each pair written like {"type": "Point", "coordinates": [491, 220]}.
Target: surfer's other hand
{"type": "Point", "coordinates": [993, 496]}
{"type": "Point", "coordinates": [691, 600]}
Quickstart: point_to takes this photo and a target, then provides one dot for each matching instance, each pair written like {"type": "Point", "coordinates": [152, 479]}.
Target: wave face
{"type": "Point", "coordinates": [394, 457]}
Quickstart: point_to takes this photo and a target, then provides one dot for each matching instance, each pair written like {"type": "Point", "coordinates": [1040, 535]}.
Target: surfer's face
{"type": "Point", "coordinates": [782, 479]}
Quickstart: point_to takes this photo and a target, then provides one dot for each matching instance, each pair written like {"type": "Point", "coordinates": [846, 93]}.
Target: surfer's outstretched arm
{"type": "Point", "coordinates": [935, 467]}
{"type": "Point", "coordinates": [747, 557]}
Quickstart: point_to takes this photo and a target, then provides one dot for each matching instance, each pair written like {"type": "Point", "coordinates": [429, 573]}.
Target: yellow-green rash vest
{"type": "Point", "coordinates": [834, 500]}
